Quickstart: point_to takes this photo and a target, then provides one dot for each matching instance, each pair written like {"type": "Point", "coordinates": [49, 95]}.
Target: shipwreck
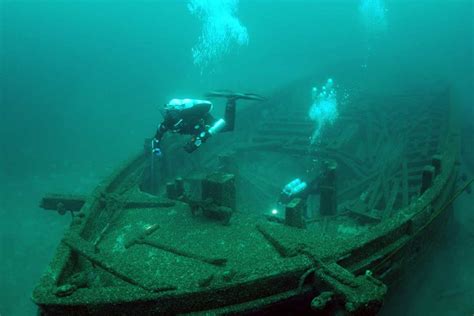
{"type": "Point", "coordinates": [174, 235]}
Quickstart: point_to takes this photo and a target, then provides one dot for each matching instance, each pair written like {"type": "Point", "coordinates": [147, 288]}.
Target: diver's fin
{"type": "Point", "coordinates": [234, 95]}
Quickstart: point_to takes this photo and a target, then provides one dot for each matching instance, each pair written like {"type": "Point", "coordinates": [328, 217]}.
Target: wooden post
{"type": "Point", "coordinates": [436, 162]}
{"type": "Point", "coordinates": [328, 199]}
{"type": "Point", "coordinates": [327, 202]}
{"type": "Point", "coordinates": [330, 174]}
{"type": "Point", "coordinates": [171, 190]}
{"type": "Point", "coordinates": [179, 186]}
{"type": "Point", "coordinates": [427, 178]}
{"type": "Point", "coordinates": [294, 213]}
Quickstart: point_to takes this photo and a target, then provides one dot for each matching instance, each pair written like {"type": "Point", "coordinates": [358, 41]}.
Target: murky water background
{"type": "Point", "coordinates": [82, 81]}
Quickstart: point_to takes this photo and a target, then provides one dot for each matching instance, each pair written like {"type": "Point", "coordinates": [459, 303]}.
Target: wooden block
{"type": "Point", "coordinates": [294, 213]}
{"type": "Point", "coordinates": [220, 187]}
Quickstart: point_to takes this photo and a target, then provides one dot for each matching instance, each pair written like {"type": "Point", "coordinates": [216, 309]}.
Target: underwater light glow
{"type": "Point", "coordinates": [221, 28]}
{"type": "Point", "coordinates": [373, 14]}
{"type": "Point", "coordinates": [274, 211]}
{"type": "Point", "coordinates": [323, 110]}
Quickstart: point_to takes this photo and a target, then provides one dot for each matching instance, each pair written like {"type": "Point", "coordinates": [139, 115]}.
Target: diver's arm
{"type": "Point", "coordinates": [162, 129]}
{"type": "Point", "coordinates": [203, 134]}
{"type": "Point", "coordinates": [155, 144]}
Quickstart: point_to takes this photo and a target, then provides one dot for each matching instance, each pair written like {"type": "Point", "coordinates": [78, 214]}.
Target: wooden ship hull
{"type": "Point", "coordinates": [181, 235]}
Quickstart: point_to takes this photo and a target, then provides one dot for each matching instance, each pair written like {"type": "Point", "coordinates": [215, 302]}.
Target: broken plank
{"type": "Point", "coordinates": [122, 271]}
{"type": "Point", "coordinates": [183, 253]}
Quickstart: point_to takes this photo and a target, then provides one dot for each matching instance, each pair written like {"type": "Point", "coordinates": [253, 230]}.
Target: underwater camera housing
{"type": "Point", "coordinates": [293, 189]}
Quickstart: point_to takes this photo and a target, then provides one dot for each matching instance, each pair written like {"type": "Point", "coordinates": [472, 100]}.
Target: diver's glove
{"type": "Point", "coordinates": [155, 147]}
{"type": "Point", "coordinates": [193, 144]}
{"type": "Point", "coordinates": [196, 141]}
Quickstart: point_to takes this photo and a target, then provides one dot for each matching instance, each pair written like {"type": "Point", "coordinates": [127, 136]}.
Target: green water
{"type": "Point", "coordinates": [82, 82]}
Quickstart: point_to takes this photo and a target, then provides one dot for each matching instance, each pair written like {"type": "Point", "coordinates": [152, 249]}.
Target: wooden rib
{"type": "Point", "coordinates": [385, 187]}
{"type": "Point", "coordinates": [369, 134]}
{"type": "Point", "coordinates": [391, 200]}
{"type": "Point", "coordinates": [355, 187]}
{"type": "Point", "coordinates": [375, 196]}
{"type": "Point", "coordinates": [404, 182]}
{"type": "Point", "coordinates": [345, 159]}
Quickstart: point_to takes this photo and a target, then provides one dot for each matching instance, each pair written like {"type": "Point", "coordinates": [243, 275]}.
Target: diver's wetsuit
{"type": "Point", "coordinates": [193, 117]}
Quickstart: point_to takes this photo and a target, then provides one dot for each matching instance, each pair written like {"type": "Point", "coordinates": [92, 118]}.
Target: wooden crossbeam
{"type": "Point", "coordinates": [62, 202]}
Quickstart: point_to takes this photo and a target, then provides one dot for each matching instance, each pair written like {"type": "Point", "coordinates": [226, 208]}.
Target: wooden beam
{"type": "Point", "coordinates": [63, 202]}
{"type": "Point", "coordinates": [392, 198]}
{"type": "Point", "coordinates": [404, 182]}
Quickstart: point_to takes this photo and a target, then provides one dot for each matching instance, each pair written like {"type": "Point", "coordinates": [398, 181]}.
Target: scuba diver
{"type": "Point", "coordinates": [193, 117]}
